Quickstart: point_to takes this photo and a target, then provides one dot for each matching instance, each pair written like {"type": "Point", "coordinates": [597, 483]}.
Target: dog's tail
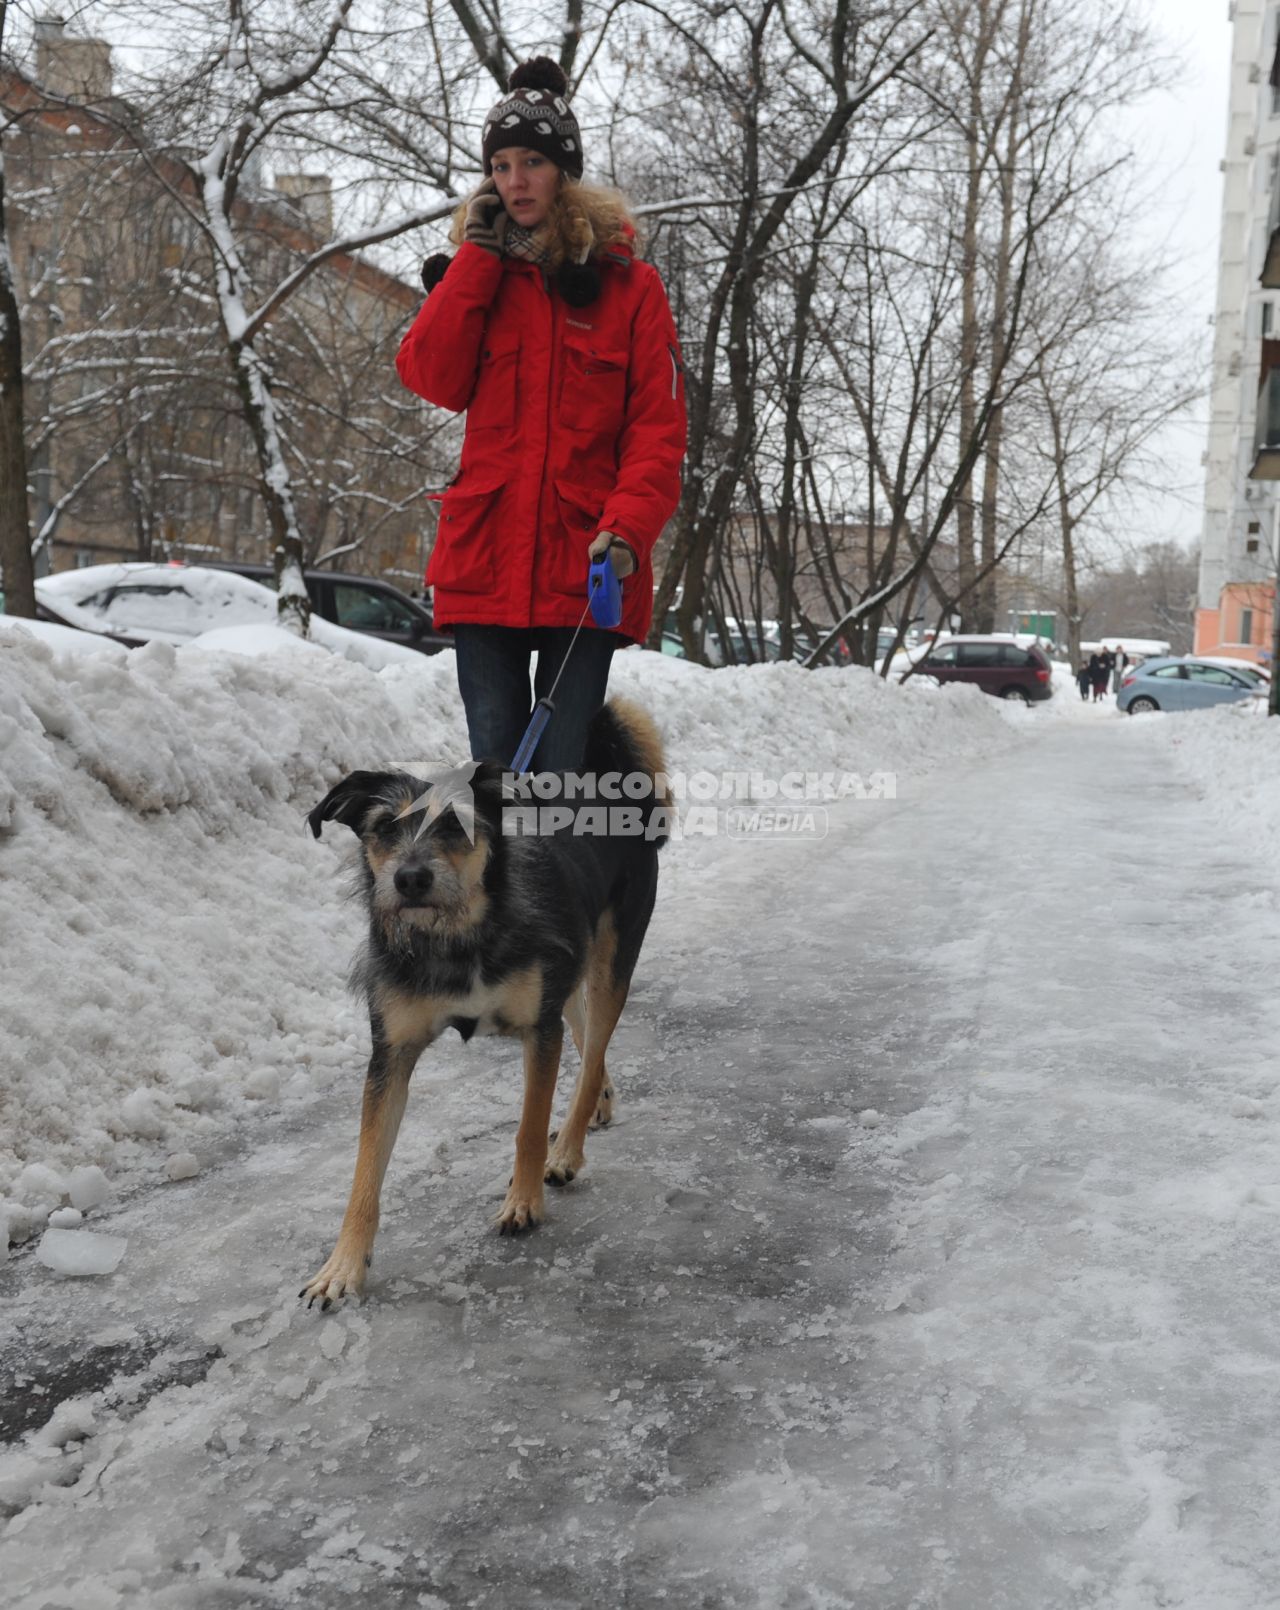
{"type": "Point", "coordinates": [622, 738]}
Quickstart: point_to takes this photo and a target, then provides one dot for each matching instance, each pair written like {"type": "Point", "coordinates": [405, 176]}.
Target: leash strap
{"type": "Point", "coordinates": [545, 708]}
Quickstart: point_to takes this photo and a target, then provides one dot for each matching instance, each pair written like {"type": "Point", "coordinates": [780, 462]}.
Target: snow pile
{"type": "Point", "coordinates": [1232, 755]}
{"type": "Point", "coordinates": [175, 942]}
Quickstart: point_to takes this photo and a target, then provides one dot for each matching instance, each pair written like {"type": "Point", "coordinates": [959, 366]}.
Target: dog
{"type": "Point", "coordinates": [488, 932]}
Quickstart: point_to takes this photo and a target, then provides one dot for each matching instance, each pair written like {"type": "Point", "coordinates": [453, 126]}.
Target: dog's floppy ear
{"type": "Point", "coordinates": [349, 801]}
{"type": "Point", "coordinates": [487, 790]}
{"type": "Point", "coordinates": [487, 778]}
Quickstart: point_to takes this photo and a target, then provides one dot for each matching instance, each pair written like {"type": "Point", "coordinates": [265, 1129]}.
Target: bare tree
{"type": "Point", "coordinates": [1030, 85]}
{"type": "Point", "coordinates": [16, 566]}
{"type": "Point", "coordinates": [766, 96]}
{"type": "Point", "coordinates": [233, 84]}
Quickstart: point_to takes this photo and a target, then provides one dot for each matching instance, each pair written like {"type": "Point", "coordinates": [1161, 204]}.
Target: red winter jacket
{"type": "Point", "coordinates": [575, 425]}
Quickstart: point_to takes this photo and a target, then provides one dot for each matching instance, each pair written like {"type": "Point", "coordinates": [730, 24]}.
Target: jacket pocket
{"type": "Point", "coordinates": [464, 557]}
{"type": "Point", "coordinates": [581, 512]}
{"type": "Point", "coordinates": [593, 391]}
{"type": "Point", "coordinates": [493, 402]}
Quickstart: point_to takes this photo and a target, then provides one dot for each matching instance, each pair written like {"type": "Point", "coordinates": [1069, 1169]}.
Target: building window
{"type": "Point", "coordinates": [1267, 317]}
{"type": "Point", "coordinates": [1251, 546]}
{"type": "Point", "coordinates": [1246, 626]}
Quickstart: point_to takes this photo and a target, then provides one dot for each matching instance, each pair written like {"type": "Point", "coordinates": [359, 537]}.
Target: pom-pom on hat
{"type": "Point", "coordinates": [536, 115]}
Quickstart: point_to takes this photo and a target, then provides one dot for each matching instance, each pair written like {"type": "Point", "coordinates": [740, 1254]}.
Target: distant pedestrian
{"type": "Point", "coordinates": [1120, 666]}
{"type": "Point", "coordinates": [1082, 680]}
{"type": "Point", "coordinates": [1099, 675]}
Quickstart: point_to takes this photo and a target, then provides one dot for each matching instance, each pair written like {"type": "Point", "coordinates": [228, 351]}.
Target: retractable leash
{"type": "Point", "coordinates": [604, 604]}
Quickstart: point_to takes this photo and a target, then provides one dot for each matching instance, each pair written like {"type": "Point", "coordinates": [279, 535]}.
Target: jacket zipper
{"type": "Point", "coordinates": [552, 372]}
{"type": "Point", "coordinates": [677, 369]}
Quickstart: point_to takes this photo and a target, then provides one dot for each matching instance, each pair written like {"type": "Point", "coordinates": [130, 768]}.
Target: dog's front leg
{"type": "Point", "coordinates": [522, 1209]}
{"type": "Point", "coordinates": [386, 1089]}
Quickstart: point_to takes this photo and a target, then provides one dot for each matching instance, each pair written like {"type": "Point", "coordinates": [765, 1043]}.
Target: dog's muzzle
{"type": "Point", "coordinates": [414, 884]}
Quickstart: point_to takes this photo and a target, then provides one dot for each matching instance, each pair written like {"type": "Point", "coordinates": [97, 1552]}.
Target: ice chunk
{"type": "Point", "coordinates": [71, 1421]}
{"type": "Point", "coordinates": [40, 1183]}
{"type": "Point", "coordinates": [66, 1218]}
{"type": "Point", "coordinates": [16, 1222]}
{"type": "Point", "coordinates": [200, 1092]}
{"type": "Point", "coordinates": [182, 1166]}
{"type": "Point", "coordinates": [263, 1084]}
{"type": "Point", "coordinates": [89, 1187]}
{"type": "Point", "coordinates": [80, 1252]}
{"type": "Point", "coordinates": [869, 1118]}
{"type": "Point", "coordinates": [1246, 1107]}
{"type": "Point", "coordinates": [143, 1114]}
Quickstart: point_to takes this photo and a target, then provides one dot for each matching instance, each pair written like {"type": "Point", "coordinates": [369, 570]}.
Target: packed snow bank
{"type": "Point", "coordinates": [175, 943]}
{"type": "Point", "coordinates": [1232, 754]}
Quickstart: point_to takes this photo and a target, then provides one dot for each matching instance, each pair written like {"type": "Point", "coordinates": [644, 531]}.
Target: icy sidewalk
{"type": "Point", "coordinates": [930, 1264]}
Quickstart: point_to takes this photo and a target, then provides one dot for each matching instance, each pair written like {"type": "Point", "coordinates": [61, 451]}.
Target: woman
{"type": "Point", "coordinates": [560, 345]}
{"type": "Point", "coordinates": [1098, 674]}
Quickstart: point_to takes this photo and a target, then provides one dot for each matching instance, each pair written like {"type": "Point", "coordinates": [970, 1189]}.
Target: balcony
{"type": "Point", "coordinates": [1266, 435]}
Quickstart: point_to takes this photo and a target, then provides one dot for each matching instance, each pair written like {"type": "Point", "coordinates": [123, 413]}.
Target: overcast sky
{"type": "Point", "coordinates": [1181, 140]}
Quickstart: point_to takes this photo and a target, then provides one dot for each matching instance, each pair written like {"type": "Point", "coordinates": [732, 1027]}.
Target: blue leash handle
{"type": "Point", "coordinates": [604, 591]}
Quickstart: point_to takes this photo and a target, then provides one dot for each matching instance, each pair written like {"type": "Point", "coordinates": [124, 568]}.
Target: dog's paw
{"type": "Point", "coordinates": [520, 1212]}
{"type": "Point", "coordinates": [603, 1115]}
{"type": "Point", "coordinates": [342, 1276]}
{"type": "Point", "coordinates": [563, 1165]}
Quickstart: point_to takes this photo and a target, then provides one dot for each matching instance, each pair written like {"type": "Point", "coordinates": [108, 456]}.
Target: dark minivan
{"type": "Point", "coordinates": [360, 603]}
{"type": "Point", "coordinates": [997, 665]}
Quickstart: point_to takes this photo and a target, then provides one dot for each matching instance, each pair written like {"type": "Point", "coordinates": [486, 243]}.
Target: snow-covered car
{"type": "Point", "coordinates": [1184, 684]}
{"type": "Point", "coordinates": [366, 604]}
{"type": "Point", "coordinates": [137, 603]}
{"type": "Point", "coordinates": [63, 639]}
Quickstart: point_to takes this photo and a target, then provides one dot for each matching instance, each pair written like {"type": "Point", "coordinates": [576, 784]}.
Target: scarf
{"type": "Point", "coordinates": [533, 245]}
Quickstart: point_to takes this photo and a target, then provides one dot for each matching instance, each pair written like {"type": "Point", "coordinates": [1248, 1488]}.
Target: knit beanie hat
{"type": "Point", "coordinates": [535, 114]}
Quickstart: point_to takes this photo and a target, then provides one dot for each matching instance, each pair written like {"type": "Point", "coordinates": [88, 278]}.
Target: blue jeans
{"type": "Point", "coordinates": [493, 678]}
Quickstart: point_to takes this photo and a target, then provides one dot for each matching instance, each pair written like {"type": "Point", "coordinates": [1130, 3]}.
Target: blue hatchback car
{"type": "Point", "coordinates": [1187, 684]}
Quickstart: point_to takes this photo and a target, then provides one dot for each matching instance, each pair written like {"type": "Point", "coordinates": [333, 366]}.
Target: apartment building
{"type": "Point", "coordinates": [1240, 542]}
{"type": "Point", "coordinates": [137, 442]}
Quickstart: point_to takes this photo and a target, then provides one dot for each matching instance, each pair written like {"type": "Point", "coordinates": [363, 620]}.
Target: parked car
{"type": "Point", "coordinates": [138, 603]}
{"type": "Point", "coordinates": [997, 665]}
{"type": "Point", "coordinates": [360, 603]}
{"type": "Point", "coordinates": [1185, 684]}
{"type": "Point", "coordinates": [1248, 669]}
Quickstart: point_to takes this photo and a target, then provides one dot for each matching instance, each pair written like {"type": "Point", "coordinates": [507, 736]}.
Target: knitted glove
{"type": "Point", "coordinates": [622, 556]}
{"type": "Point", "coordinates": [487, 222]}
